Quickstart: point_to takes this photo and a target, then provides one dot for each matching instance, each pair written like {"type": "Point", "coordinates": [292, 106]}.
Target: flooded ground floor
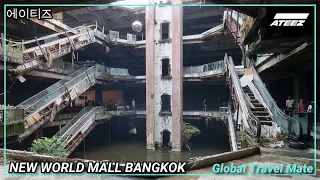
{"type": "Point", "coordinates": [116, 141]}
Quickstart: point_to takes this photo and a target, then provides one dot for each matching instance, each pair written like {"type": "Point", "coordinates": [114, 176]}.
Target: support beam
{"type": "Point", "coordinates": [164, 75]}
{"type": "Point", "coordinates": [177, 74]}
{"type": "Point", "coordinates": [273, 60]}
{"type": "Point", "coordinates": [150, 28]}
{"type": "Point", "coordinates": [54, 25]}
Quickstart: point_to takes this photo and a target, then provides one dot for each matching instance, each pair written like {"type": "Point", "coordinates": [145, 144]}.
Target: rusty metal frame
{"type": "Point", "coordinates": [43, 52]}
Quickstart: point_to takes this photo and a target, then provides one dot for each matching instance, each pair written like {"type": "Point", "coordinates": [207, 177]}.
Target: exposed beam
{"type": "Point", "coordinates": [273, 60]}
{"type": "Point", "coordinates": [213, 51]}
{"type": "Point", "coordinates": [45, 74]}
{"type": "Point", "coordinates": [53, 24]}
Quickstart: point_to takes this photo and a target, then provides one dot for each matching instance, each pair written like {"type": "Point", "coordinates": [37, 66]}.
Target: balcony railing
{"type": "Point", "coordinates": [211, 67]}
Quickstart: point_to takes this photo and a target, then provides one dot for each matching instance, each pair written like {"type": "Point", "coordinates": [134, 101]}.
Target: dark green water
{"type": "Point", "coordinates": [136, 151]}
{"type": "Point", "coordinates": [116, 144]}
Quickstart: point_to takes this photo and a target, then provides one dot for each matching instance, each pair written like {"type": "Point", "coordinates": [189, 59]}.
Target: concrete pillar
{"type": "Point", "coordinates": [164, 45]}
{"type": "Point", "coordinates": [300, 89]}
{"type": "Point", "coordinates": [150, 45]}
{"type": "Point", "coordinates": [99, 96]}
{"type": "Point", "coordinates": [296, 95]}
{"type": "Point", "coordinates": [177, 74]}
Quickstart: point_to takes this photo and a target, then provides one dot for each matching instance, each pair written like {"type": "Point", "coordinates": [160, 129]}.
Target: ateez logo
{"type": "Point", "coordinates": [289, 19]}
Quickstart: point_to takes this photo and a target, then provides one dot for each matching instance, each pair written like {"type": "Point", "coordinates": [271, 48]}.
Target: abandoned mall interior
{"type": "Point", "coordinates": [158, 83]}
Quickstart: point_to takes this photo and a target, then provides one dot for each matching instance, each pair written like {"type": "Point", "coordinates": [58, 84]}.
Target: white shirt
{"type": "Point", "coordinates": [289, 103]}
{"type": "Point", "coordinates": [309, 110]}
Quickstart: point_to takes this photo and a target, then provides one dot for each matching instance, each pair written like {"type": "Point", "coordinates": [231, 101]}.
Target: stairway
{"type": "Point", "coordinates": [258, 110]}
{"type": "Point", "coordinates": [77, 129]}
{"type": "Point", "coordinates": [237, 129]}
{"type": "Point", "coordinates": [44, 105]}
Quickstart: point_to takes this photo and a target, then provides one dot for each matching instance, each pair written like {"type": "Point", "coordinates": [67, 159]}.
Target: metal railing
{"type": "Point", "coordinates": [238, 23]}
{"type": "Point", "coordinates": [232, 131]}
{"type": "Point", "coordinates": [218, 65]}
{"type": "Point", "coordinates": [80, 124]}
{"type": "Point", "coordinates": [251, 122]}
{"type": "Point", "coordinates": [74, 120]}
{"type": "Point", "coordinates": [62, 67]}
{"type": "Point", "coordinates": [50, 89]}
{"type": "Point", "coordinates": [45, 97]}
{"type": "Point", "coordinates": [286, 123]}
{"type": "Point", "coordinates": [112, 71]}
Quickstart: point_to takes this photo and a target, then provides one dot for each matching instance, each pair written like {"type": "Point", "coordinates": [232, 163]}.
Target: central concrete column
{"type": "Point", "coordinates": [177, 74]}
{"type": "Point", "coordinates": [164, 74]}
{"type": "Point", "coordinates": [150, 28]}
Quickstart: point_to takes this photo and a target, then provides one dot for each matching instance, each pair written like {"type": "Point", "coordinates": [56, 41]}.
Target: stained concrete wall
{"type": "Point", "coordinates": [90, 96]}
{"type": "Point", "coordinates": [163, 86]}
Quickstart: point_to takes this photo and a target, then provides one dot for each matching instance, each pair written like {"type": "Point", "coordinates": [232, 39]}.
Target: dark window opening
{"type": "Point", "coordinates": [165, 103]}
{"type": "Point", "coordinates": [165, 31]}
{"type": "Point", "coordinates": [82, 97]}
{"type": "Point", "coordinates": [165, 67]}
{"type": "Point", "coordinates": [165, 138]}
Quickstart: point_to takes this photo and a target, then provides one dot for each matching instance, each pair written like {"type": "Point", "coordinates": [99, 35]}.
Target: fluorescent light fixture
{"type": "Point", "coordinates": [135, 2]}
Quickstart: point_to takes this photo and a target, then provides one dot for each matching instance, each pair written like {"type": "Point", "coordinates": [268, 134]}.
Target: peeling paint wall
{"type": "Point", "coordinates": [162, 86]}
{"type": "Point", "coordinates": [157, 85]}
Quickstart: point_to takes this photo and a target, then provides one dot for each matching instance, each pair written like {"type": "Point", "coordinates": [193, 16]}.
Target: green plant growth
{"type": "Point", "coordinates": [245, 26]}
{"type": "Point", "coordinates": [250, 48]}
{"type": "Point", "coordinates": [14, 71]}
{"type": "Point", "coordinates": [242, 138]}
{"type": "Point", "coordinates": [187, 132]}
{"type": "Point", "coordinates": [48, 146]}
{"type": "Point", "coordinates": [107, 38]}
{"type": "Point", "coordinates": [10, 43]}
{"type": "Point", "coordinates": [282, 136]}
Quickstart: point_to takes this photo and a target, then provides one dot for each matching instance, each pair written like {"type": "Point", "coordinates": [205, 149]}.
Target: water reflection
{"type": "Point", "coordinates": [136, 151]}
{"type": "Point", "coordinates": [114, 141]}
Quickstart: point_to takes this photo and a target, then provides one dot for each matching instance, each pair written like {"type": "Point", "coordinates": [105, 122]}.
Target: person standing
{"type": "Point", "coordinates": [301, 107]}
{"type": "Point", "coordinates": [289, 105]}
{"type": "Point", "coordinates": [310, 117]}
{"type": "Point", "coordinates": [310, 107]}
{"type": "Point", "coordinates": [133, 104]}
{"type": "Point", "coordinates": [204, 105]}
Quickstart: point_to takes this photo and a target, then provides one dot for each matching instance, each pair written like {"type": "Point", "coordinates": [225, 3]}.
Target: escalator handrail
{"type": "Point", "coordinates": [88, 116]}
{"type": "Point", "coordinates": [74, 120]}
{"type": "Point", "coordinates": [23, 104]}
{"type": "Point", "coordinates": [59, 88]}
{"type": "Point", "coordinates": [272, 105]}
{"type": "Point", "coordinates": [67, 134]}
{"type": "Point", "coordinates": [247, 114]}
{"type": "Point", "coordinates": [232, 131]}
